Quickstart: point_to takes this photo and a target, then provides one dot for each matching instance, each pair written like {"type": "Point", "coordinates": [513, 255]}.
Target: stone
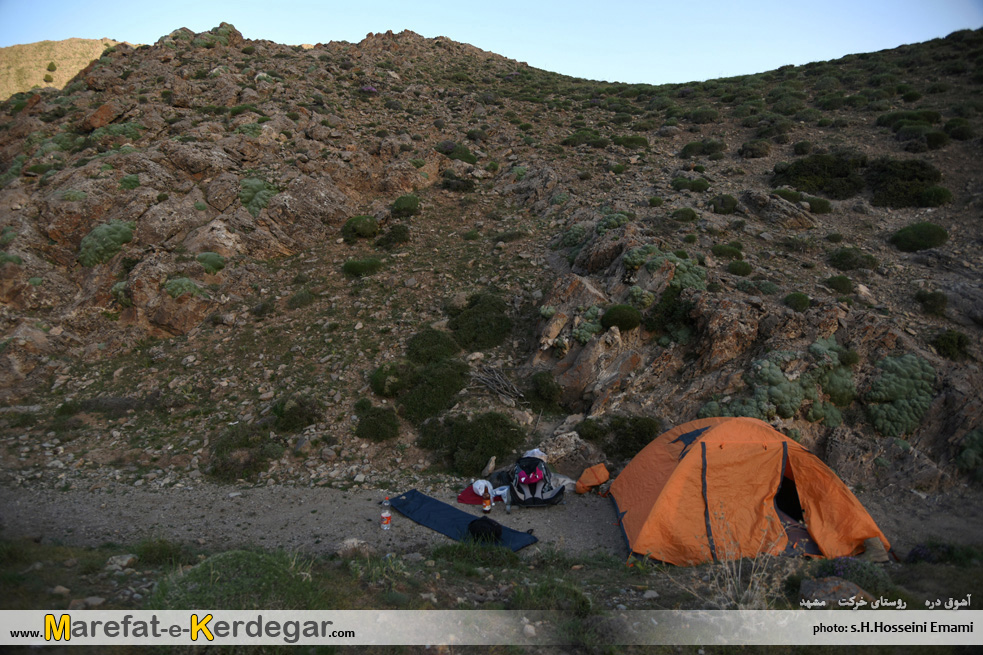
{"type": "Point", "coordinates": [832, 590]}
{"type": "Point", "coordinates": [121, 562]}
{"type": "Point", "coordinates": [61, 591]}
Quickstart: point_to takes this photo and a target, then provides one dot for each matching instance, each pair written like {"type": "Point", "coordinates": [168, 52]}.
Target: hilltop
{"type": "Point", "coordinates": [46, 63]}
{"type": "Point", "coordinates": [234, 260]}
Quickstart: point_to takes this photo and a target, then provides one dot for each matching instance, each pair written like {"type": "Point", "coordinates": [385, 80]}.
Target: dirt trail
{"type": "Point", "coordinates": [318, 520]}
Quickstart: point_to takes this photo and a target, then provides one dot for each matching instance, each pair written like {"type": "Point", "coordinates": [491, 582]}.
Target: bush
{"type": "Point", "coordinates": [483, 323]}
{"type": "Point", "coordinates": [434, 389]}
{"type": "Point", "coordinates": [932, 302]}
{"type": "Point", "coordinates": [847, 259]}
{"type": "Point", "coordinates": [867, 575]}
{"type": "Point", "coordinates": [724, 204]}
{"type": "Point", "coordinates": [727, 251]}
{"type": "Point", "coordinates": [625, 317]}
{"type": "Point", "coordinates": [655, 201]}
{"type": "Point", "coordinates": [295, 413]}
{"type": "Point", "coordinates": [919, 236]}
{"type": "Point", "coordinates": [468, 444]}
{"type": "Point", "coordinates": [739, 268]}
{"type": "Point", "coordinates": [255, 194]}
{"type": "Point", "coordinates": [51, 67]}
{"type": "Point", "coordinates": [392, 378]}
{"type": "Point", "coordinates": [211, 261]}
{"type": "Point", "coordinates": [834, 175]}
{"type": "Point", "coordinates": [703, 115]}
{"type": "Point", "coordinates": [241, 451]}
{"type": "Point", "coordinates": [952, 344]}
{"type": "Point", "coordinates": [359, 227]}
{"type": "Point", "coordinates": [840, 283]}
{"type": "Point", "coordinates": [362, 267]}
{"type": "Point", "coordinates": [909, 183]}
{"type": "Point", "coordinates": [706, 147]}
{"type": "Point", "coordinates": [755, 149]}
{"type": "Point", "coordinates": [620, 436]}
{"type": "Point", "coordinates": [684, 214]}
{"type": "Point", "coordinates": [103, 242]}
{"type": "Point", "coordinates": [802, 148]}
{"type": "Point", "coordinates": [375, 423]}
{"type": "Point", "coordinates": [302, 298]}
{"type": "Point", "coordinates": [396, 235]}
{"type": "Point", "coordinates": [546, 390]}
{"type": "Point", "coordinates": [971, 457]}
{"type": "Point", "coordinates": [407, 205]}
{"type": "Point", "coordinates": [684, 184]}
{"type": "Point", "coordinates": [901, 396]}
{"type": "Point", "coordinates": [631, 141]}
{"type": "Point", "coordinates": [797, 301]}
{"type": "Point", "coordinates": [129, 182]}
{"type": "Point", "coordinates": [430, 345]}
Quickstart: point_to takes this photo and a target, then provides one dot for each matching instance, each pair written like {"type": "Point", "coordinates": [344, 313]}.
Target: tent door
{"type": "Point", "coordinates": [789, 510]}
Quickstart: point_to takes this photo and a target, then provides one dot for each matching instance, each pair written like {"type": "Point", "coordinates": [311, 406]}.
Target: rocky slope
{"type": "Point", "coordinates": [174, 267]}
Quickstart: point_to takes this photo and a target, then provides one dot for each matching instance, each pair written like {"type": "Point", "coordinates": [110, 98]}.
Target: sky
{"type": "Point", "coordinates": [654, 42]}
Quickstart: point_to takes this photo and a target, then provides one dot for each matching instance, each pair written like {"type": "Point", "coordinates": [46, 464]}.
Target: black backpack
{"type": "Point", "coordinates": [531, 484]}
{"type": "Point", "coordinates": [485, 529]}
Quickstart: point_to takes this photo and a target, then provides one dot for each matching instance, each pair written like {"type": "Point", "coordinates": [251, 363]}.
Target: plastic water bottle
{"type": "Point", "coordinates": [486, 502]}
{"type": "Point", "coordinates": [387, 515]}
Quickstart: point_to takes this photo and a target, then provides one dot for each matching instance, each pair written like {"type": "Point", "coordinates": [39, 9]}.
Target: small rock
{"type": "Point", "coordinates": [122, 561]}
{"type": "Point", "coordinates": [650, 594]}
{"type": "Point", "coordinates": [529, 630]}
{"type": "Point", "coordinates": [61, 591]}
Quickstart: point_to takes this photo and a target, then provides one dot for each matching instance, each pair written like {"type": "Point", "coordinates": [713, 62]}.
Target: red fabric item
{"type": "Point", "coordinates": [469, 497]}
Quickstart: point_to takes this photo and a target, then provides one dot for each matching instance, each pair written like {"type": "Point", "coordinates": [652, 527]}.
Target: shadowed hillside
{"type": "Point", "coordinates": [359, 264]}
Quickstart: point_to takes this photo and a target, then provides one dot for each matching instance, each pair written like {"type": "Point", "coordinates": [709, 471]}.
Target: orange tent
{"type": "Point", "coordinates": [726, 488]}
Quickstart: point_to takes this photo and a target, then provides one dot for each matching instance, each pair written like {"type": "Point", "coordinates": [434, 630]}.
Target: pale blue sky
{"type": "Point", "coordinates": [633, 41]}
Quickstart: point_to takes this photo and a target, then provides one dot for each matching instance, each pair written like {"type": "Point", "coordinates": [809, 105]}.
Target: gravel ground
{"type": "Point", "coordinates": [315, 520]}
{"type": "Point", "coordinates": [318, 520]}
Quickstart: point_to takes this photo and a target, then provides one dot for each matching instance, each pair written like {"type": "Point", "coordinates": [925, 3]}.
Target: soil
{"type": "Point", "coordinates": [319, 520]}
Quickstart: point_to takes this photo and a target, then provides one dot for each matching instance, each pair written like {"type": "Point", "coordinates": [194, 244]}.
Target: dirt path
{"type": "Point", "coordinates": [315, 520]}
{"type": "Point", "coordinates": [318, 520]}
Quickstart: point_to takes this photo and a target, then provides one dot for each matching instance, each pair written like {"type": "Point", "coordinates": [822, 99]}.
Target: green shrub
{"type": "Point", "coordinates": [129, 182]}
{"type": "Point", "coordinates": [727, 251]}
{"type": "Point", "coordinates": [375, 423]}
{"type": "Point", "coordinates": [394, 236]}
{"type": "Point", "coordinates": [178, 286]}
{"type": "Point", "coordinates": [789, 194]}
{"type": "Point", "coordinates": [706, 147]}
{"type": "Point", "coordinates": [834, 175]}
{"type": "Point", "coordinates": [724, 204]}
{"type": "Point", "coordinates": [104, 241]}
{"type": "Point", "coordinates": [847, 259]}
{"type": "Point", "coordinates": [739, 268]}
{"type": "Point", "coordinates": [625, 317]}
{"type": "Point", "coordinates": [8, 234]}
{"type": "Point", "coordinates": [430, 345]}
{"type": "Point", "coordinates": [671, 318]}
{"type": "Point", "coordinates": [242, 451]}
{"type": "Point", "coordinates": [971, 455]}
{"type": "Point", "coordinates": [840, 283]}
{"type": "Point", "coordinates": [818, 205]}
{"type": "Point", "coordinates": [620, 436]}
{"type": "Point", "coordinates": [802, 148]}
{"type": "Point", "coordinates": [51, 67]}
{"type": "Point", "coordinates": [900, 397]}
{"type": "Point", "coordinates": [301, 298]}
{"type": "Point", "coordinates": [960, 129]}
{"type": "Point", "coordinates": [867, 575]}
{"type": "Point", "coordinates": [362, 267]}
{"type": "Point", "coordinates": [434, 388]}
{"type": "Point", "coordinates": [684, 184]}
{"type": "Point", "coordinates": [952, 344]}
{"type": "Point", "coordinates": [456, 151]}
{"type": "Point", "coordinates": [468, 444]}
{"type": "Point", "coordinates": [919, 236]}
{"type": "Point", "coordinates": [655, 201]}
{"type": "Point", "coordinates": [359, 227]}
{"type": "Point", "coordinates": [7, 258]}
{"type": "Point", "coordinates": [909, 183]}
{"type": "Point", "coordinates": [407, 205]}
{"type": "Point", "coordinates": [797, 301]}
{"type": "Point", "coordinates": [631, 141]}
{"type": "Point", "coordinates": [296, 412]}
{"type": "Point", "coordinates": [932, 302]}
{"type": "Point", "coordinates": [211, 261]}
{"type": "Point", "coordinates": [755, 149]}
{"type": "Point", "coordinates": [483, 323]}
{"type": "Point", "coordinates": [392, 378]}
{"type": "Point", "coordinates": [546, 392]}
{"type": "Point", "coordinates": [684, 214]}
{"type": "Point", "coordinates": [255, 194]}
{"type": "Point", "coordinates": [703, 115]}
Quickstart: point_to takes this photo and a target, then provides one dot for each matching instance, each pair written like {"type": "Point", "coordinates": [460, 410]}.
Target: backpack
{"type": "Point", "coordinates": [485, 529]}
{"type": "Point", "coordinates": [531, 484]}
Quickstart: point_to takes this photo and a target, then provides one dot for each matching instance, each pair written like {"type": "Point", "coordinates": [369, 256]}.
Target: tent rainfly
{"type": "Point", "coordinates": [727, 488]}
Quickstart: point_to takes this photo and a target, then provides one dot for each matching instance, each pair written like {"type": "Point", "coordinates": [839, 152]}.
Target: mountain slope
{"type": "Point", "coordinates": [180, 296]}
{"type": "Point", "coordinates": [24, 67]}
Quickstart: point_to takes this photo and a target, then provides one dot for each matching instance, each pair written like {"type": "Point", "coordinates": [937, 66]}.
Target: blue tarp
{"type": "Point", "coordinates": [449, 520]}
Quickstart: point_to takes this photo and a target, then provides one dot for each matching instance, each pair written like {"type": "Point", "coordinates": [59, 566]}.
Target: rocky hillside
{"type": "Point", "coordinates": [354, 263]}
{"type": "Point", "coordinates": [46, 63]}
